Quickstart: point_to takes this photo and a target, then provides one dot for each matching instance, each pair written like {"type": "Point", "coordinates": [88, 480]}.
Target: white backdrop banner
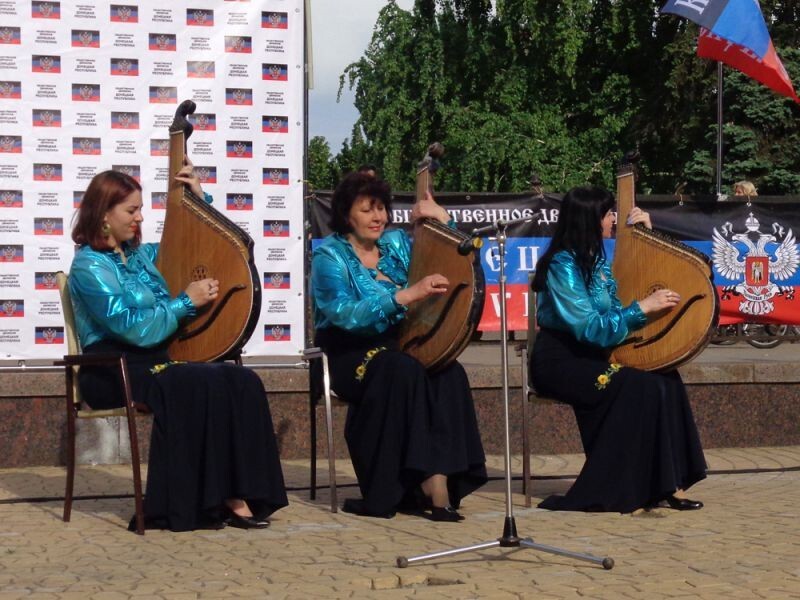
{"type": "Point", "coordinates": [87, 86]}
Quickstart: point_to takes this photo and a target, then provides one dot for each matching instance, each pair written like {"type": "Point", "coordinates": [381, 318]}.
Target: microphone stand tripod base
{"type": "Point", "coordinates": [509, 539]}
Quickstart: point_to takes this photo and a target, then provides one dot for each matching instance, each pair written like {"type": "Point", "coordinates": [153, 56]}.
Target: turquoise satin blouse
{"type": "Point", "coordinates": [348, 295]}
{"type": "Point", "coordinates": [125, 302]}
{"type": "Point", "coordinates": [128, 303]}
{"type": "Point", "coordinates": [593, 316]}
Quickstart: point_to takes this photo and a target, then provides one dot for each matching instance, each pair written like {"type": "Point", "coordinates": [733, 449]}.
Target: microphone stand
{"type": "Point", "coordinates": [510, 538]}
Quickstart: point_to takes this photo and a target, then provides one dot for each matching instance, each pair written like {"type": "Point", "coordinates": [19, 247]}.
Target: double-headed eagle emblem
{"type": "Point", "coordinates": [756, 259]}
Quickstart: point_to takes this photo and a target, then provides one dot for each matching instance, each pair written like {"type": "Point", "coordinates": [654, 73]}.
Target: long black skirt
{"type": "Point", "coordinates": [403, 425]}
{"type": "Point", "coordinates": [637, 429]}
{"type": "Point", "coordinates": [212, 437]}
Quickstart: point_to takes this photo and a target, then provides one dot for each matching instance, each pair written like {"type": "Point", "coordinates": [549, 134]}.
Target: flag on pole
{"type": "Point", "coordinates": [769, 70]}
{"type": "Point", "coordinates": [738, 21]}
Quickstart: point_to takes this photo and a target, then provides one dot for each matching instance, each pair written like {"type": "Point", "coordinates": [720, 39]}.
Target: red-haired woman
{"type": "Point", "coordinates": [213, 456]}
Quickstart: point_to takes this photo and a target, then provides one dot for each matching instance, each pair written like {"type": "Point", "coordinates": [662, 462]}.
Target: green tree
{"type": "Point", "coordinates": [561, 89]}
{"type": "Point", "coordinates": [321, 167]}
{"type": "Point", "coordinates": [761, 137]}
{"type": "Point", "coordinates": [355, 152]}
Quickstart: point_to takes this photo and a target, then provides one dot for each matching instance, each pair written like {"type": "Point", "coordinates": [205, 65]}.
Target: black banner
{"type": "Point", "coordinates": [752, 245]}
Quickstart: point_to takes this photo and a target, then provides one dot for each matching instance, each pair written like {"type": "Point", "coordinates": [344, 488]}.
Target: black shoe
{"type": "Point", "coordinates": [241, 522]}
{"type": "Point", "coordinates": [355, 506]}
{"type": "Point", "coordinates": [683, 503]}
{"type": "Point", "coordinates": [447, 514]}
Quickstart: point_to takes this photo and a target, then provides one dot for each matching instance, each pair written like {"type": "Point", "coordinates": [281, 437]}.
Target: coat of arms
{"type": "Point", "coordinates": [46, 10]}
{"type": "Point", "coordinates": [200, 16]}
{"type": "Point", "coordinates": [46, 63]}
{"type": "Point", "coordinates": [754, 259]}
{"type": "Point", "coordinates": [9, 307]}
{"type": "Point", "coordinates": [239, 148]}
{"type": "Point", "coordinates": [86, 38]}
{"type": "Point", "coordinates": [124, 13]}
{"type": "Point", "coordinates": [162, 41]}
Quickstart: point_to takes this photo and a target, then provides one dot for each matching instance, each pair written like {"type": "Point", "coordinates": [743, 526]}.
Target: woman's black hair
{"type": "Point", "coordinates": [351, 187]}
{"type": "Point", "coordinates": [579, 231]}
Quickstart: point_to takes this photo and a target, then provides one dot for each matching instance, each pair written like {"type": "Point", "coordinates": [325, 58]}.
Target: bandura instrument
{"type": "Point", "coordinates": [437, 329]}
{"type": "Point", "coordinates": [200, 242]}
{"type": "Point", "coordinates": [646, 261]}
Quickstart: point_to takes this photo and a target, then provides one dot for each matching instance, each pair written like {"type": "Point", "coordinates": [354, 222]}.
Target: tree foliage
{"type": "Point", "coordinates": [322, 172]}
{"type": "Point", "coordinates": [561, 90]}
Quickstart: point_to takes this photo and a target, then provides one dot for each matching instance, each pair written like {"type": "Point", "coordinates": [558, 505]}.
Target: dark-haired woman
{"type": "Point", "coordinates": [637, 429]}
{"type": "Point", "coordinates": [213, 455]}
{"type": "Point", "coordinates": [413, 437]}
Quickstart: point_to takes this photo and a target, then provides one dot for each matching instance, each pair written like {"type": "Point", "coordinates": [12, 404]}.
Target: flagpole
{"type": "Point", "coordinates": [719, 129]}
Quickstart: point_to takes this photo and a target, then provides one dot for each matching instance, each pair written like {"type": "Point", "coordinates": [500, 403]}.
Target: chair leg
{"type": "Point", "coordinates": [526, 444]}
{"type": "Point", "coordinates": [326, 380]}
{"type": "Point", "coordinates": [137, 473]}
{"type": "Point", "coordinates": [136, 465]}
{"type": "Point", "coordinates": [312, 494]}
{"type": "Point", "coordinates": [331, 455]}
{"type": "Point", "coordinates": [526, 451]}
{"type": "Point", "coordinates": [70, 458]}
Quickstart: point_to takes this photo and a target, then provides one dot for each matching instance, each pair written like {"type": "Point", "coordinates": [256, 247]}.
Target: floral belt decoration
{"type": "Point", "coordinates": [156, 369]}
{"type": "Point", "coordinates": [361, 369]}
{"type": "Point", "coordinates": [605, 378]}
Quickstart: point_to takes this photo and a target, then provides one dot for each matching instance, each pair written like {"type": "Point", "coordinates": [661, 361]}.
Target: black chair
{"type": "Point", "coordinates": [72, 362]}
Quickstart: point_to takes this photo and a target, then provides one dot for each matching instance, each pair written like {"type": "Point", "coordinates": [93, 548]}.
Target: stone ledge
{"type": "Point", "coordinates": [736, 404]}
{"type": "Point", "coordinates": [50, 383]}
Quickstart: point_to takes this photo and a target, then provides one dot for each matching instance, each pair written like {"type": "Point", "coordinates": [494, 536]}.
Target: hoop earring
{"type": "Point", "coordinates": [106, 229]}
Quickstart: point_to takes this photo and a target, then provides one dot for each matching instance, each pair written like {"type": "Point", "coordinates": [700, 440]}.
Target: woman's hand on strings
{"type": "Point", "coordinates": [432, 285]}
{"type": "Point", "coordinates": [660, 300]}
{"type": "Point", "coordinates": [187, 176]}
{"type": "Point", "coordinates": [637, 215]}
{"type": "Point", "coordinates": [203, 291]}
{"type": "Point", "coordinates": [428, 208]}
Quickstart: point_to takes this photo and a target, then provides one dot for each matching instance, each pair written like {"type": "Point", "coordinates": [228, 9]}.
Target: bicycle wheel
{"type": "Point", "coordinates": [725, 335]}
{"type": "Point", "coordinates": [761, 330]}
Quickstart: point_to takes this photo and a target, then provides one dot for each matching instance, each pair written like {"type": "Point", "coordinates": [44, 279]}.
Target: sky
{"type": "Point", "coordinates": [341, 31]}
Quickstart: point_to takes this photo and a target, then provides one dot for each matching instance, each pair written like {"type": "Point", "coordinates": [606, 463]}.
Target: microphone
{"type": "Point", "coordinates": [468, 245]}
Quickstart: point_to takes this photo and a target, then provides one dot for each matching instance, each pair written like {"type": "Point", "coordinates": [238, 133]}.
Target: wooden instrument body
{"type": "Point", "coordinates": [646, 261]}
{"type": "Point", "coordinates": [437, 329]}
{"type": "Point", "coordinates": [199, 242]}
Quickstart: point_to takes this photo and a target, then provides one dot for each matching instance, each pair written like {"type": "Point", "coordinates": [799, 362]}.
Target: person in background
{"type": "Point", "coordinates": [413, 436]}
{"type": "Point", "coordinates": [213, 455]}
{"type": "Point", "coordinates": [744, 188]}
{"type": "Point", "coordinates": [368, 169]}
{"type": "Point", "coordinates": [638, 433]}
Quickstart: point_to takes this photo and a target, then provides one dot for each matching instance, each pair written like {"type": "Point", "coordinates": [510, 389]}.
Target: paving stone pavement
{"type": "Point", "coordinates": [743, 544]}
